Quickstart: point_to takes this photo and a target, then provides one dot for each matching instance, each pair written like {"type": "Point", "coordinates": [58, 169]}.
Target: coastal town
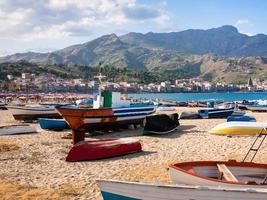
{"type": "Point", "coordinates": [46, 82]}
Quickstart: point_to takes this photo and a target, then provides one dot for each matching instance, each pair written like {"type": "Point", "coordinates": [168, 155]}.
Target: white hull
{"type": "Point", "coordinates": [25, 110]}
{"type": "Point", "coordinates": [17, 129]}
{"type": "Point", "coordinates": [128, 190]}
{"type": "Point", "coordinates": [180, 177]}
{"type": "Point", "coordinates": [238, 128]}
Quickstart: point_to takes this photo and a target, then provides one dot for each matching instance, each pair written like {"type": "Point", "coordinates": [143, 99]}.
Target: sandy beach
{"type": "Point", "coordinates": [33, 166]}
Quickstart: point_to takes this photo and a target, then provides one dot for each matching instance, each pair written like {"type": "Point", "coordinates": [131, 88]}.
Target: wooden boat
{"type": "Point", "coordinates": [161, 124]}
{"type": "Point", "coordinates": [220, 173]}
{"type": "Point", "coordinates": [238, 128]}
{"type": "Point", "coordinates": [241, 119]}
{"type": "Point", "coordinates": [216, 112]}
{"type": "Point", "coordinates": [33, 112]}
{"type": "Point", "coordinates": [122, 190]}
{"type": "Point", "coordinates": [100, 149]}
{"type": "Point", "coordinates": [53, 124]}
{"type": "Point", "coordinates": [17, 129]}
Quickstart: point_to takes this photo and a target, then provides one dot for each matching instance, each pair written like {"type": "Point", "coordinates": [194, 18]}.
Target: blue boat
{"type": "Point", "coordinates": [216, 112]}
{"type": "Point", "coordinates": [53, 124]}
{"type": "Point", "coordinates": [241, 119]}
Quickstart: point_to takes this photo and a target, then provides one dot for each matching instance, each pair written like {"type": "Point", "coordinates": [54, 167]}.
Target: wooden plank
{"type": "Point", "coordinates": [227, 174]}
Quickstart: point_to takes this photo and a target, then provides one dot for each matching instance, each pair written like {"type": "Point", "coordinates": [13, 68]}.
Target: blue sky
{"type": "Point", "coordinates": [37, 25]}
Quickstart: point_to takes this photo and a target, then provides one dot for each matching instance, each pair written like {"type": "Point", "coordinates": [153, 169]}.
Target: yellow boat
{"type": "Point", "coordinates": [239, 128]}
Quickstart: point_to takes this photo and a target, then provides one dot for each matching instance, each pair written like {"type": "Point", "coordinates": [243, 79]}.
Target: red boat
{"type": "Point", "coordinates": [100, 149]}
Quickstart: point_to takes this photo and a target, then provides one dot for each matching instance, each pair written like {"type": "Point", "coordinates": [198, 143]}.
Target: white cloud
{"type": "Point", "coordinates": [35, 19]}
{"type": "Point", "coordinates": [242, 22]}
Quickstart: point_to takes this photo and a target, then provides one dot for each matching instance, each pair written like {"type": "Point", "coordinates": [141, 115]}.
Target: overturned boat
{"type": "Point", "coordinates": [53, 124]}
{"type": "Point", "coordinates": [17, 129]}
{"type": "Point", "coordinates": [161, 124]}
{"type": "Point", "coordinates": [100, 149]}
{"type": "Point", "coordinates": [239, 128]}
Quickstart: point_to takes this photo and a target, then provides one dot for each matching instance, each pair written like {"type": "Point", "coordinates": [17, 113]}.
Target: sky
{"type": "Point", "coordinates": [48, 25]}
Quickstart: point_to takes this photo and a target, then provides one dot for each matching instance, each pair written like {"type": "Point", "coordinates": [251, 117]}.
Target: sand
{"type": "Point", "coordinates": [35, 164]}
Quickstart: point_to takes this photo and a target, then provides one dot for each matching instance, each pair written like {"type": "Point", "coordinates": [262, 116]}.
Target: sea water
{"type": "Point", "coordinates": [226, 96]}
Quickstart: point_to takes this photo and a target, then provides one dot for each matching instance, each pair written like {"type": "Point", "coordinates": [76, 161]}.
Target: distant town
{"type": "Point", "coordinates": [50, 83]}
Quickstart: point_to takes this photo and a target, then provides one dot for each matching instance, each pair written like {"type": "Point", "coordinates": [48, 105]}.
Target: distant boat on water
{"type": "Point", "coordinates": [122, 190]}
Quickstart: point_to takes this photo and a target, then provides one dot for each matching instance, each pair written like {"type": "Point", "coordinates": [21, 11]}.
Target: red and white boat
{"type": "Point", "coordinates": [99, 149]}
{"type": "Point", "coordinates": [220, 173]}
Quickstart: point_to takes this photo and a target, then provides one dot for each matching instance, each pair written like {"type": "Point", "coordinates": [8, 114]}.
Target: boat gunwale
{"type": "Point", "coordinates": [231, 163]}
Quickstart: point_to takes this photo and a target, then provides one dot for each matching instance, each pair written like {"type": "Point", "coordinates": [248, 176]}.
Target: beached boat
{"type": "Point", "coordinates": [33, 112]}
{"type": "Point", "coordinates": [220, 173]}
{"type": "Point", "coordinates": [165, 108]}
{"type": "Point", "coordinates": [109, 111]}
{"type": "Point", "coordinates": [241, 119]}
{"type": "Point", "coordinates": [53, 124]}
{"type": "Point", "coordinates": [216, 112]}
{"type": "Point", "coordinates": [257, 108]}
{"type": "Point", "coordinates": [161, 124]}
{"type": "Point", "coordinates": [17, 129]}
{"type": "Point", "coordinates": [189, 115]}
{"type": "Point", "coordinates": [99, 149]}
{"type": "Point", "coordinates": [238, 128]}
{"type": "Point", "coordinates": [122, 190]}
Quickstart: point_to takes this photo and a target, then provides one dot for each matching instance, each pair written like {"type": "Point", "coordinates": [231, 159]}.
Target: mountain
{"type": "Point", "coordinates": [225, 40]}
{"type": "Point", "coordinates": [216, 54]}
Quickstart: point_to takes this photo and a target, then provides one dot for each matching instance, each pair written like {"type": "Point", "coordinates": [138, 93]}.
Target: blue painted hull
{"type": "Point", "coordinates": [111, 196]}
{"type": "Point", "coordinates": [215, 113]}
{"type": "Point", "coordinates": [53, 124]}
{"type": "Point", "coordinates": [241, 119]}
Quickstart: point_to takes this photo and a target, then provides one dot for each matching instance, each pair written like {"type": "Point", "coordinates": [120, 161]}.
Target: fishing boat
{"type": "Point", "coordinates": [216, 112]}
{"type": "Point", "coordinates": [99, 149]}
{"type": "Point", "coordinates": [17, 129]}
{"type": "Point", "coordinates": [238, 128]}
{"type": "Point", "coordinates": [161, 124]}
{"type": "Point", "coordinates": [220, 173]}
{"type": "Point", "coordinates": [108, 111]}
{"type": "Point", "coordinates": [53, 124]}
{"type": "Point", "coordinates": [33, 112]}
{"type": "Point", "coordinates": [241, 119]}
{"type": "Point", "coordinates": [122, 190]}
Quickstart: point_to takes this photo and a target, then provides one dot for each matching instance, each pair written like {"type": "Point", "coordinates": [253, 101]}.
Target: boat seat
{"type": "Point", "coordinates": [226, 173]}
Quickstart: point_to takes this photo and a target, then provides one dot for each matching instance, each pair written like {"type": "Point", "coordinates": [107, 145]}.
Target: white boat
{"type": "Point", "coordinates": [238, 128]}
{"type": "Point", "coordinates": [121, 190]}
{"type": "Point", "coordinates": [33, 112]}
{"type": "Point", "coordinates": [220, 173]}
{"type": "Point", "coordinates": [17, 129]}
{"type": "Point", "coordinates": [257, 108]}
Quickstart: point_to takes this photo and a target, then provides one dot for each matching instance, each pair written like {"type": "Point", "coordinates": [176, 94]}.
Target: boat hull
{"type": "Point", "coordinates": [32, 113]}
{"type": "Point", "coordinates": [120, 190]}
{"type": "Point", "coordinates": [199, 173]}
{"type": "Point", "coordinates": [241, 119]}
{"type": "Point", "coordinates": [17, 129]}
{"type": "Point", "coordinates": [238, 128]}
{"type": "Point", "coordinates": [87, 120]}
{"type": "Point", "coordinates": [101, 149]}
{"type": "Point", "coordinates": [216, 113]}
{"type": "Point", "coordinates": [53, 124]}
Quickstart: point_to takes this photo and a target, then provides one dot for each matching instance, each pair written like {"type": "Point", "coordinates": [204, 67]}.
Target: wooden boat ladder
{"type": "Point", "coordinates": [254, 147]}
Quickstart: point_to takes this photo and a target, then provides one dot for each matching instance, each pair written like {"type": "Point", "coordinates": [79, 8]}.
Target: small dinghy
{"type": "Point", "coordinates": [17, 129]}
{"type": "Point", "coordinates": [53, 124]}
{"type": "Point", "coordinates": [161, 124]}
{"type": "Point", "coordinates": [93, 150]}
{"type": "Point", "coordinates": [241, 119]}
{"type": "Point", "coordinates": [220, 173]}
{"type": "Point", "coordinates": [122, 190]}
{"type": "Point", "coordinates": [238, 128]}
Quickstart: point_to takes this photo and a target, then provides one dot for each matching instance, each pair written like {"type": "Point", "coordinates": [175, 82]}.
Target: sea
{"type": "Point", "coordinates": [225, 96]}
